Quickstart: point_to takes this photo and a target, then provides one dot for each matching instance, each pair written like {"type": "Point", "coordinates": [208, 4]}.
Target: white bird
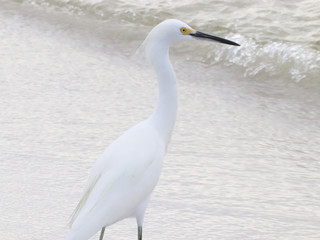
{"type": "Point", "coordinates": [123, 178]}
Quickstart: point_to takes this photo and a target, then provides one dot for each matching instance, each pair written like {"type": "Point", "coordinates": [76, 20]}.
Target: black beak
{"type": "Point", "coordinates": [210, 37]}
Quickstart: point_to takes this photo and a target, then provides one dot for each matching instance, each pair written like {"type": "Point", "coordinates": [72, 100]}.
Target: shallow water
{"type": "Point", "coordinates": [278, 38]}
{"type": "Point", "coordinates": [244, 157]}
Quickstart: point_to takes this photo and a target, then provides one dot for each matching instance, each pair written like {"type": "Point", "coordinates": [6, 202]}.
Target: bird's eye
{"type": "Point", "coordinates": [184, 30]}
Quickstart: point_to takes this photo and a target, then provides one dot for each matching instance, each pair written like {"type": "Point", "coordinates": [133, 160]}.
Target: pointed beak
{"type": "Point", "coordinates": [201, 35]}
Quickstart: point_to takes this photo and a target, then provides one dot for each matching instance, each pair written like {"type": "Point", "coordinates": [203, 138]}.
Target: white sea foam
{"type": "Point", "coordinates": [277, 39]}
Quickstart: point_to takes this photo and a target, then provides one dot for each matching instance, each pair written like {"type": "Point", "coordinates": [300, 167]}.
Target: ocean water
{"type": "Point", "coordinates": [244, 159]}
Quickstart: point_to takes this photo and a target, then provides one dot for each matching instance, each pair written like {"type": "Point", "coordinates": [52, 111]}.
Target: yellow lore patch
{"type": "Point", "coordinates": [186, 31]}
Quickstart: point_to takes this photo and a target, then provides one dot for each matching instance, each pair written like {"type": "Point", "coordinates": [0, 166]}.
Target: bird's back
{"type": "Point", "coordinates": [122, 178]}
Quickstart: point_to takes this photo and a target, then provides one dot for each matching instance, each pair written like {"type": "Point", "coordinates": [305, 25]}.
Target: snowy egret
{"type": "Point", "coordinates": [123, 178]}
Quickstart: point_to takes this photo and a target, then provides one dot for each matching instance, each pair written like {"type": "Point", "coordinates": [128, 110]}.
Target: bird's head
{"type": "Point", "coordinates": [172, 30]}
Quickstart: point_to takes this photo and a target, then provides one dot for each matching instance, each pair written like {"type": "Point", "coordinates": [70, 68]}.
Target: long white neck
{"type": "Point", "coordinates": [165, 113]}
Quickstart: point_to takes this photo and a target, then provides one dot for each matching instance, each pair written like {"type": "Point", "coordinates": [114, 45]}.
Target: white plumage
{"type": "Point", "coordinates": [123, 178]}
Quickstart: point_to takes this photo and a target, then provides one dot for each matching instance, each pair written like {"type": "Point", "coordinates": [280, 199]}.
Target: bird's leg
{"type": "Point", "coordinates": [102, 233]}
{"type": "Point", "coordinates": [139, 232]}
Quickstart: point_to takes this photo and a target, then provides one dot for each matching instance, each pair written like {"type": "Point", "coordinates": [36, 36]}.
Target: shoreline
{"type": "Point", "coordinates": [244, 150]}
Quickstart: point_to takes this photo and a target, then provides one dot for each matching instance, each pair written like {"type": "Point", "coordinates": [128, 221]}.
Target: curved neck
{"type": "Point", "coordinates": [165, 113]}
